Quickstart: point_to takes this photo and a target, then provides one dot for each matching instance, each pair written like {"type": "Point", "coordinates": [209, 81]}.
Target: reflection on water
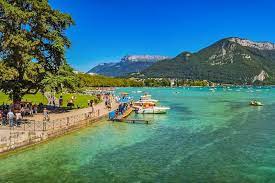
{"type": "Point", "coordinates": [205, 137]}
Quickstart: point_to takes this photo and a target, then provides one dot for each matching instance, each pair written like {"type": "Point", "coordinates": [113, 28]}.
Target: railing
{"type": "Point", "coordinates": [57, 124]}
{"type": "Point", "coordinates": [30, 132]}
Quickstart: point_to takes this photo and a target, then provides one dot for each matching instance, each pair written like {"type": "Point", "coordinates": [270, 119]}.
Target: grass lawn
{"type": "Point", "coordinates": [81, 100]}
{"type": "Point", "coordinates": [4, 99]}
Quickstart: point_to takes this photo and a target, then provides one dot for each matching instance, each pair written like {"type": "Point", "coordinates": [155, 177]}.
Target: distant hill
{"type": "Point", "coordinates": [231, 60]}
{"type": "Point", "coordinates": [128, 64]}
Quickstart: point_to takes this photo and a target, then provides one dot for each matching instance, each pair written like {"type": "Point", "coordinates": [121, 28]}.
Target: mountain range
{"type": "Point", "coordinates": [127, 65]}
{"type": "Point", "coordinates": [231, 60]}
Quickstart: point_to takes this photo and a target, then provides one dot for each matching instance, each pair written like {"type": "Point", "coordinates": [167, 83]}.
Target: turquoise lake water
{"type": "Point", "coordinates": [206, 137]}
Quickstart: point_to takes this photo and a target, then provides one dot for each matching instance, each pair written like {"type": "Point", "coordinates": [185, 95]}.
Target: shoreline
{"type": "Point", "coordinates": [6, 154]}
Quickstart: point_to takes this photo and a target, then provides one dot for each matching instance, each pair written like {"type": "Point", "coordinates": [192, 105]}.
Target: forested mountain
{"type": "Point", "coordinates": [230, 60]}
{"type": "Point", "coordinates": [127, 65]}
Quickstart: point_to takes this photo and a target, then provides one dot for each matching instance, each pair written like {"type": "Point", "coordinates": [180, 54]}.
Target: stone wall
{"type": "Point", "coordinates": [22, 138]}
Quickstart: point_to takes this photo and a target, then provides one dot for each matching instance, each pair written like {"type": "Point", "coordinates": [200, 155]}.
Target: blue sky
{"type": "Point", "coordinates": [106, 30]}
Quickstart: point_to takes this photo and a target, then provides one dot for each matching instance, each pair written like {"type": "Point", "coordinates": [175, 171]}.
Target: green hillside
{"type": "Point", "coordinates": [225, 61]}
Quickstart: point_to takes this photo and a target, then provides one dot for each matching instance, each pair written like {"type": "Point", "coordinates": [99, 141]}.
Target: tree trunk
{"type": "Point", "coordinates": [16, 96]}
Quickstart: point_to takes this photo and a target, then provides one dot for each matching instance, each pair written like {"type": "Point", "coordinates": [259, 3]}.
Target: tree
{"type": "Point", "coordinates": [65, 79]}
{"type": "Point", "coordinates": [32, 44]}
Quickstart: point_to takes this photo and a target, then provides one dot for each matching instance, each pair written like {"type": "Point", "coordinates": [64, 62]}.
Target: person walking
{"type": "Point", "coordinates": [92, 105]}
{"type": "Point", "coordinates": [1, 118]}
{"type": "Point", "coordinates": [10, 117]}
{"type": "Point", "coordinates": [31, 110]}
{"type": "Point", "coordinates": [35, 109]}
{"type": "Point", "coordinates": [53, 99]}
{"type": "Point", "coordinates": [23, 112]}
{"type": "Point", "coordinates": [46, 114]}
{"type": "Point", "coordinates": [60, 101]}
{"type": "Point", "coordinates": [4, 117]}
{"type": "Point", "coordinates": [18, 118]}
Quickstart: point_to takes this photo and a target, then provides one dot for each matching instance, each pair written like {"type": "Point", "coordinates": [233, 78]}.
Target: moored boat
{"type": "Point", "coordinates": [147, 98]}
{"type": "Point", "coordinates": [255, 103]}
{"type": "Point", "coordinates": [148, 107]}
{"type": "Point", "coordinates": [152, 110]}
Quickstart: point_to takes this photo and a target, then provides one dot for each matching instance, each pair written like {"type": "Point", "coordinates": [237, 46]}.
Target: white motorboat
{"type": "Point", "coordinates": [152, 110]}
{"type": "Point", "coordinates": [147, 98]}
{"type": "Point", "coordinates": [147, 105]}
{"type": "Point", "coordinates": [143, 102]}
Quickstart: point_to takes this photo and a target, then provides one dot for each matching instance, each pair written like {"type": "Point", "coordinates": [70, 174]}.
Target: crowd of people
{"type": "Point", "coordinates": [53, 101]}
{"type": "Point", "coordinates": [14, 114]}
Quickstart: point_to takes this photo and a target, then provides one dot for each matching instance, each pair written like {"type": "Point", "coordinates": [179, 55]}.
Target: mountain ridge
{"type": "Point", "coordinates": [127, 65]}
{"type": "Point", "coordinates": [230, 60]}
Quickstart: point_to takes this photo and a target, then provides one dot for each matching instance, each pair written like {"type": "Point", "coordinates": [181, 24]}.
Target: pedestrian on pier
{"type": "Point", "coordinates": [46, 114]}
{"type": "Point", "coordinates": [92, 105]}
{"type": "Point", "coordinates": [10, 117]}
{"type": "Point", "coordinates": [31, 110]}
{"type": "Point", "coordinates": [60, 101]}
{"type": "Point", "coordinates": [18, 118]}
{"type": "Point", "coordinates": [23, 112]}
{"type": "Point", "coordinates": [1, 118]}
{"type": "Point", "coordinates": [35, 109]}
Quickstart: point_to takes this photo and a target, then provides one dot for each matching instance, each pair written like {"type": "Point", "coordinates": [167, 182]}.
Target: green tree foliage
{"type": "Point", "coordinates": [86, 80]}
{"type": "Point", "coordinates": [191, 83]}
{"type": "Point", "coordinates": [6, 73]}
{"type": "Point", "coordinates": [32, 44]}
{"type": "Point", "coordinates": [64, 80]}
{"type": "Point", "coordinates": [156, 82]}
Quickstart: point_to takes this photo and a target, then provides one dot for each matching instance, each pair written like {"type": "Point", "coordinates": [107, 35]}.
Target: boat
{"type": "Point", "coordinates": [147, 107]}
{"type": "Point", "coordinates": [142, 102]}
{"type": "Point", "coordinates": [147, 98]}
{"type": "Point", "coordinates": [255, 103]}
{"type": "Point", "coordinates": [152, 110]}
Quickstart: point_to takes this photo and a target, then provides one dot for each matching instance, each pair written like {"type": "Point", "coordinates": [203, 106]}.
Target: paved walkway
{"type": "Point", "coordinates": [55, 116]}
{"type": "Point", "coordinates": [100, 110]}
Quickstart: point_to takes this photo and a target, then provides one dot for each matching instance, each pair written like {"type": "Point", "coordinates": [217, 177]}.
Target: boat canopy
{"type": "Point", "coordinates": [125, 100]}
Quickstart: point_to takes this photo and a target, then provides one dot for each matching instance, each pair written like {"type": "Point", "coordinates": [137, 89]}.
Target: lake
{"type": "Point", "coordinates": [207, 136]}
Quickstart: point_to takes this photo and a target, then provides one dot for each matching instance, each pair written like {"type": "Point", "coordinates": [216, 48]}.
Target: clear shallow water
{"type": "Point", "coordinates": [206, 137]}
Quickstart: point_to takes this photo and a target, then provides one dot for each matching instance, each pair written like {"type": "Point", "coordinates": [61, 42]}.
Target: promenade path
{"type": "Point", "coordinates": [55, 116]}
{"type": "Point", "coordinates": [18, 134]}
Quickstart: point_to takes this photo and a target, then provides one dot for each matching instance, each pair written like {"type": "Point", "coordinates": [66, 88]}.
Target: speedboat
{"type": "Point", "coordinates": [255, 103]}
{"type": "Point", "coordinates": [145, 107]}
{"type": "Point", "coordinates": [152, 110]}
{"type": "Point", "coordinates": [147, 98]}
{"type": "Point", "coordinates": [143, 103]}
